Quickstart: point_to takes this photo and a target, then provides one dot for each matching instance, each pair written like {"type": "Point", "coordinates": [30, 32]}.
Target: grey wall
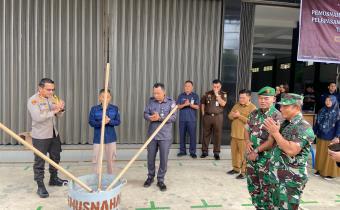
{"type": "Point", "coordinates": [168, 41]}
{"type": "Point", "coordinates": [57, 39]}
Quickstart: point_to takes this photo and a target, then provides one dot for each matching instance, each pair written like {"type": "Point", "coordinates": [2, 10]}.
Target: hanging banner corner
{"type": "Point", "coordinates": [319, 38]}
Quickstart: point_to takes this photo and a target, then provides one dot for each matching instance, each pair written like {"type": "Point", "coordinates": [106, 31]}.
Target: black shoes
{"type": "Point", "coordinates": [42, 192]}
{"type": "Point", "coordinates": [328, 178]}
{"type": "Point", "coordinates": [56, 181]}
{"type": "Point", "coordinates": [194, 156]}
{"type": "Point", "coordinates": [204, 155]}
{"type": "Point", "coordinates": [161, 186]}
{"type": "Point", "coordinates": [232, 172]}
{"type": "Point", "coordinates": [317, 173]}
{"type": "Point", "coordinates": [148, 182]}
{"type": "Point", "coordinates": [241, 176]}
{"type": "Point", "coordinates": [181, 154]}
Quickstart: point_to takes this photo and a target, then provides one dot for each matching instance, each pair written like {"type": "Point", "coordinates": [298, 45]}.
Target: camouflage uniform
{"type": "Point", "coordinates": [288, 175]}
{"type": "Point", "coordinates": [258, 186]}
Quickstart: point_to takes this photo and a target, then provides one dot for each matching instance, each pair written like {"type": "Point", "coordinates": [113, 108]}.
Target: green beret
{"type": "Point", "coordinates": [266, 91]}
{"type": "Point", "coordinates": [290, 99]}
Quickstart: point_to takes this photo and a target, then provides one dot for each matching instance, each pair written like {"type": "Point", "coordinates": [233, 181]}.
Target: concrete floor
{"type": "Point", "coordinates": [192, 184]}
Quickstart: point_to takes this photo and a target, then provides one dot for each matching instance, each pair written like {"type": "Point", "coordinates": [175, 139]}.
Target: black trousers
{"type": "Point", "coordinates": [51, 146]}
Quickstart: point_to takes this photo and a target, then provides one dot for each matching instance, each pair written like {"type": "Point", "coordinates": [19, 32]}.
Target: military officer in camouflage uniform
{"type": "Point", "coordinates": [258, 148]}
{"type": "Point", "coordinates": [287, 168]}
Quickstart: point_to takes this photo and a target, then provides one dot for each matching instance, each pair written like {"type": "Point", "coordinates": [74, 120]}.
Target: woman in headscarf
{"type": "Point", "coordinates": [327, 130]}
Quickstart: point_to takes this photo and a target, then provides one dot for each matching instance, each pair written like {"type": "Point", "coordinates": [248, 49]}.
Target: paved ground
{"type": "Point", "coordinates": [192, 184]}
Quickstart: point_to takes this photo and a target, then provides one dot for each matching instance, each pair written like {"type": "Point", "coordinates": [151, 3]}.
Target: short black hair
{"type": "Point", "coordinates": [43, 81]}
{"type": "Point", "coordinates": [216, 81]}
{"type": "Point", "coordinates": [103, 90]}
{"type": "Point", "coordinates": [245, 91]}
{"type": "Point", "coordinates": [332, 83]}
{"type": "Point", "coordinates": [189, 81]}
{"type": "Point", "coordinates": [158, 84]}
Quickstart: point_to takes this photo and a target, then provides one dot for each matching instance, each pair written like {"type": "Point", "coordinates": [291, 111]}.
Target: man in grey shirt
{"type": "Point", "coordinates": [44, 107]}
{"type": "Point", "coordinates": [155, 112]}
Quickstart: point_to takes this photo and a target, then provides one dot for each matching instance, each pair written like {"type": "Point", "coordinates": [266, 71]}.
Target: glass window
{"type": "Point", "coordinates": [268, 68]}
{"type": "Point", "coordinates": [285, 66]}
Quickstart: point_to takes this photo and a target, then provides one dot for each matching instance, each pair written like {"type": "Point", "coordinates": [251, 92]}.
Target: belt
{"type": "Point", "coordinates": [213, 114]}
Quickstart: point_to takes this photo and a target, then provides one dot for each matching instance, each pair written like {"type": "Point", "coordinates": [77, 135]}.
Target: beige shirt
{"type": "Point", "coordinates": [43, 117]}
{"type": "Point", "coordinates": [238, 124]}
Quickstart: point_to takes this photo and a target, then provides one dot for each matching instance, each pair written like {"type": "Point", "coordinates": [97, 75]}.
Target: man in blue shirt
{"type": "Point", "coordinates": [188, 103]}
{"type": "Point", "coordinates": [155, 112]}
{"type": "Point", "coordinates": [112, 119]}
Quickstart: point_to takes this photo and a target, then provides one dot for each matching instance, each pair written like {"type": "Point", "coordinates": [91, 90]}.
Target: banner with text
{"type": "Point", "coordinates": [319, 38]}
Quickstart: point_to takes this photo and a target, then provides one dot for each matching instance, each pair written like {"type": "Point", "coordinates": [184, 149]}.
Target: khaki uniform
{"type": "Point", "coordinates": [43, 118]}
{"type": "Point", "coordinates": [45, 136]}
{"type": "Point", "coordinates": [212, 120]}
{"type": "Point", "coordinates": [238, 143]}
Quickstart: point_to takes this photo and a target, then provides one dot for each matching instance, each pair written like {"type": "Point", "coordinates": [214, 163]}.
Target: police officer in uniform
{"type": "Point", "coordinates": [213, 103]}
{"type": "Point", "coordinates": [155, 112]}
{"type": "Point", "coordinates": [44, 107]}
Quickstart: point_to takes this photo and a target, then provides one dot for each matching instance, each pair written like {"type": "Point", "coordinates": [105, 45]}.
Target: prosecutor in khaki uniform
{"type": "Point", "coordinates": [213, 103]}
{"type": "Point", "coordinates": [43, 108]}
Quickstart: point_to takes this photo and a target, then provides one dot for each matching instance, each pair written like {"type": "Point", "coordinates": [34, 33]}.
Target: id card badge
{"type": "Point", "coordinates": [192, 101]}
{"type": "Point", "coordinates": [216, 103]}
